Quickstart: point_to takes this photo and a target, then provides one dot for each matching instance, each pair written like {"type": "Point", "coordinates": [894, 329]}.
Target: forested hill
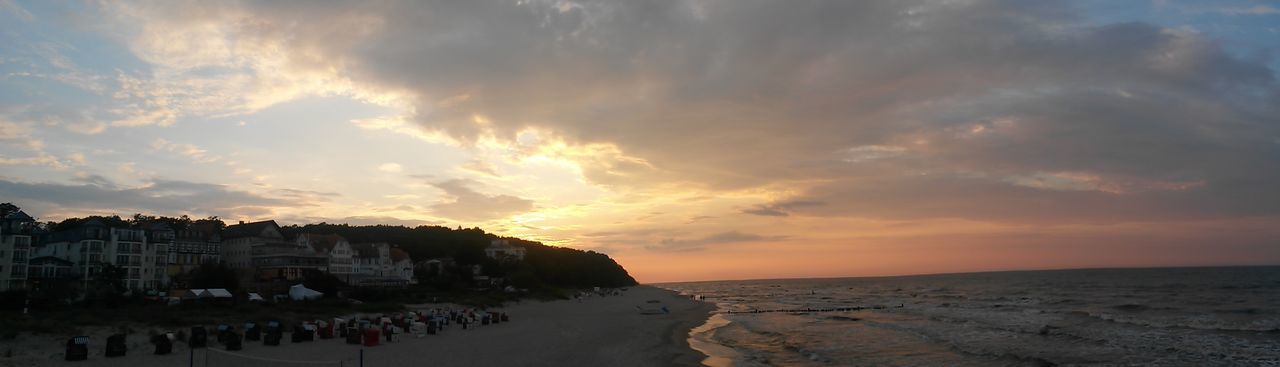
{"type": "Point", "coordinates": [545, 265]}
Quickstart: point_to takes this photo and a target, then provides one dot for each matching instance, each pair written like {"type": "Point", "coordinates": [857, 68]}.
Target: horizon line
{"type": "Point", "coordinates": [980, 272]}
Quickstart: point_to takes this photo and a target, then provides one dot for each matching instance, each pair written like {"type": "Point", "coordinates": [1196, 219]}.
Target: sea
{"type": "Point", "coordinates": [1227, 316]}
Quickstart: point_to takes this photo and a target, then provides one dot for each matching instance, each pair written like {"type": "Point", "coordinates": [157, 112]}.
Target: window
{"type": "Point", "coordinates": [122, 259]}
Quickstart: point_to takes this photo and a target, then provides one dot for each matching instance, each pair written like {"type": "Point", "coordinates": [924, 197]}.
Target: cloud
{"type": "Point", "coordinates": [479, 167]}
{"type": "Point", "coordinates": [1254, 10]}
{"type": "Point", "coordinates": [699, 243]}
{"type": "Point", "coordinates": [9, 6]}
{"type": "Point", "coordinates": [169, 197]}
{"type": "Point", "coordinates": [780, 209]}
{"type": "Point", "coordinates": [192, 151]}
{"type": "Point", "coordinates": [390, 167]}
{"type": "Point", "coordinates": [306, 196]}
{"type": "Point", "coordinates": [94, 180]}
{"type": "Point", "coordinates": [465, 203]}
{"type": "Point", "coordinates": [1019, 103]}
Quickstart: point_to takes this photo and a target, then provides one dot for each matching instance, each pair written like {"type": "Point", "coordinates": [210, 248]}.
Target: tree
{"type": "Point", "coordinates": [108, 284]}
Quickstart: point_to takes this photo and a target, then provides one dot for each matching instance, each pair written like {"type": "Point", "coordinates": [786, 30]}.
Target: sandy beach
{"type": "Point", "coordinates": [594, 332]}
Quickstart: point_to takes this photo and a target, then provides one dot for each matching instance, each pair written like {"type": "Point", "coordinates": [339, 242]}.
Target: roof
{"type": "Point", "coordinates": [397, 255]}
{"type": "Point", "coordinates": [200, 230]}
{"type": "Point", "coordinates": [19, 215]}
{"type": "Point", "coordinates": [323, 243]}
{"type": "Point", "coordinates": [248, 229]}
{"type": "Point", "coordinates": [365, 249]}
{"type": "Point", "coordinates": [219, 292]}
{"type": "Point", "coordinates": [157, 226]}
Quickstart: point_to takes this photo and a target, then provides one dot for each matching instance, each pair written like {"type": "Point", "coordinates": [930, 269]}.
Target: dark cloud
{"type": "Point", "coordinates": [95, 180]}
{"type": "Point", "coordinates": [699, 243]}
{"type": "Point", "coordinates": [166, 197]}
{"type": "Point", "coordinates": [993, 110]}
{"type": "Point", "coordinates": [465, 203]}
{"type": "Point", "coordinates": [306, 195]}
{"type": "Point", "coordinates": [780, 209]}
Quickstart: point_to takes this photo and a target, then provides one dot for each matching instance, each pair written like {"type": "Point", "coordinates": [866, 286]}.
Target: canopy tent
{"type": "Point", "coordinates": [300, 292]}
{"type": "Point", "coordinates": [217, 293]}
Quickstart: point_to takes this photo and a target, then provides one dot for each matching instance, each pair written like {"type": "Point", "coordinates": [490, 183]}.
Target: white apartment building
{"type": "Point", "coordinates": [336, 248]}
{"type": "Point", "coordinates": [92, 245]}
{"type": "Point", "coordinates": [15, 250]}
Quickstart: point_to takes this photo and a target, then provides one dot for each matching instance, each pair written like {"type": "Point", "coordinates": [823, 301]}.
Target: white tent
{"type": "Point", "coordinates": [300, 292]}
{"type": "Point", "coordinates": [218, 293]}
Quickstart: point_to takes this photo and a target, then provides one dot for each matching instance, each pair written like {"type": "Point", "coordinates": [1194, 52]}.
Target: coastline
{"type": "Point", "coordinates": [596, 331]}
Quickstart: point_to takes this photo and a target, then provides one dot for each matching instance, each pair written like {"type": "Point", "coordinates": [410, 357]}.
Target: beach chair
{"type": "Point", "coordinates": [418, 329]}
{"type": "Point", "coordinates": [199, 337]}
{"type": "Point", "coordinates": [163, 343]}
{"type": "Point", "coordinates": [325, 329]}
{"type": "Point", "coordinates": [353, 335]}
{"type": "Point", "coordinates": [272, 334]}
{"type": "Point", "coordinates": [77, 348]}
{"type": "Point", "coordinates": [116, 346]}
{"type": "Point", "coordinates": [233, 341]}
{"type": "Point", "coordinates": [252, 332]}
{"type": "Point", "coordinates": [223, 331]}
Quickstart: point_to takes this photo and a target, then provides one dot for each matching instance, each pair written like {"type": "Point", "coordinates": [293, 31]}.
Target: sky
{"type": "Point", "coordinates": [689, 140]}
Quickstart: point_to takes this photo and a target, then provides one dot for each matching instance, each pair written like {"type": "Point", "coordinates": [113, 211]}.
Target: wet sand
{"type": "Point", "coordinates": [596, 332]}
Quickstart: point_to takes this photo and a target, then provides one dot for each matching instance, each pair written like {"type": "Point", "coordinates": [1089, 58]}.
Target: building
{"type": "Point", "coordinates": [199, 243]}
{"type": "Point", "coordinates": [373, 259]}
{"type": "Point", "coordinates": [285, 261]}
{"type": "Point", "coordinates": [379, 264]}
{"type": "Point", "coordinates": [15, 249]}
{"type": "Point", "coordinates": [50, 268]}
{"type": "Point", "coordinates": [239, 240]}
{"type": "Point", "coordinates": [83, 246]}
{"type": "Point", "coordinates": [92, 244]}
{"type": "Point", "coordinates": [336, 248]}
{"type": "Point", "coordinates": [402, 265]}
{"type": "Point", "coordinates": [502, 250]}
{"type": "Point", "coordinates": [161, 236]}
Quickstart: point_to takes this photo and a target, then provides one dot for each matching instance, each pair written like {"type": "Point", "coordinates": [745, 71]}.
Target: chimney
{"type": "Point", "coordinates": [242, 222]}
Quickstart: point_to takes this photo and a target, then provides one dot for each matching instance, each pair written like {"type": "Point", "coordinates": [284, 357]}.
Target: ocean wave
{"type": "Point", "coordinates": [1176, 322]}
